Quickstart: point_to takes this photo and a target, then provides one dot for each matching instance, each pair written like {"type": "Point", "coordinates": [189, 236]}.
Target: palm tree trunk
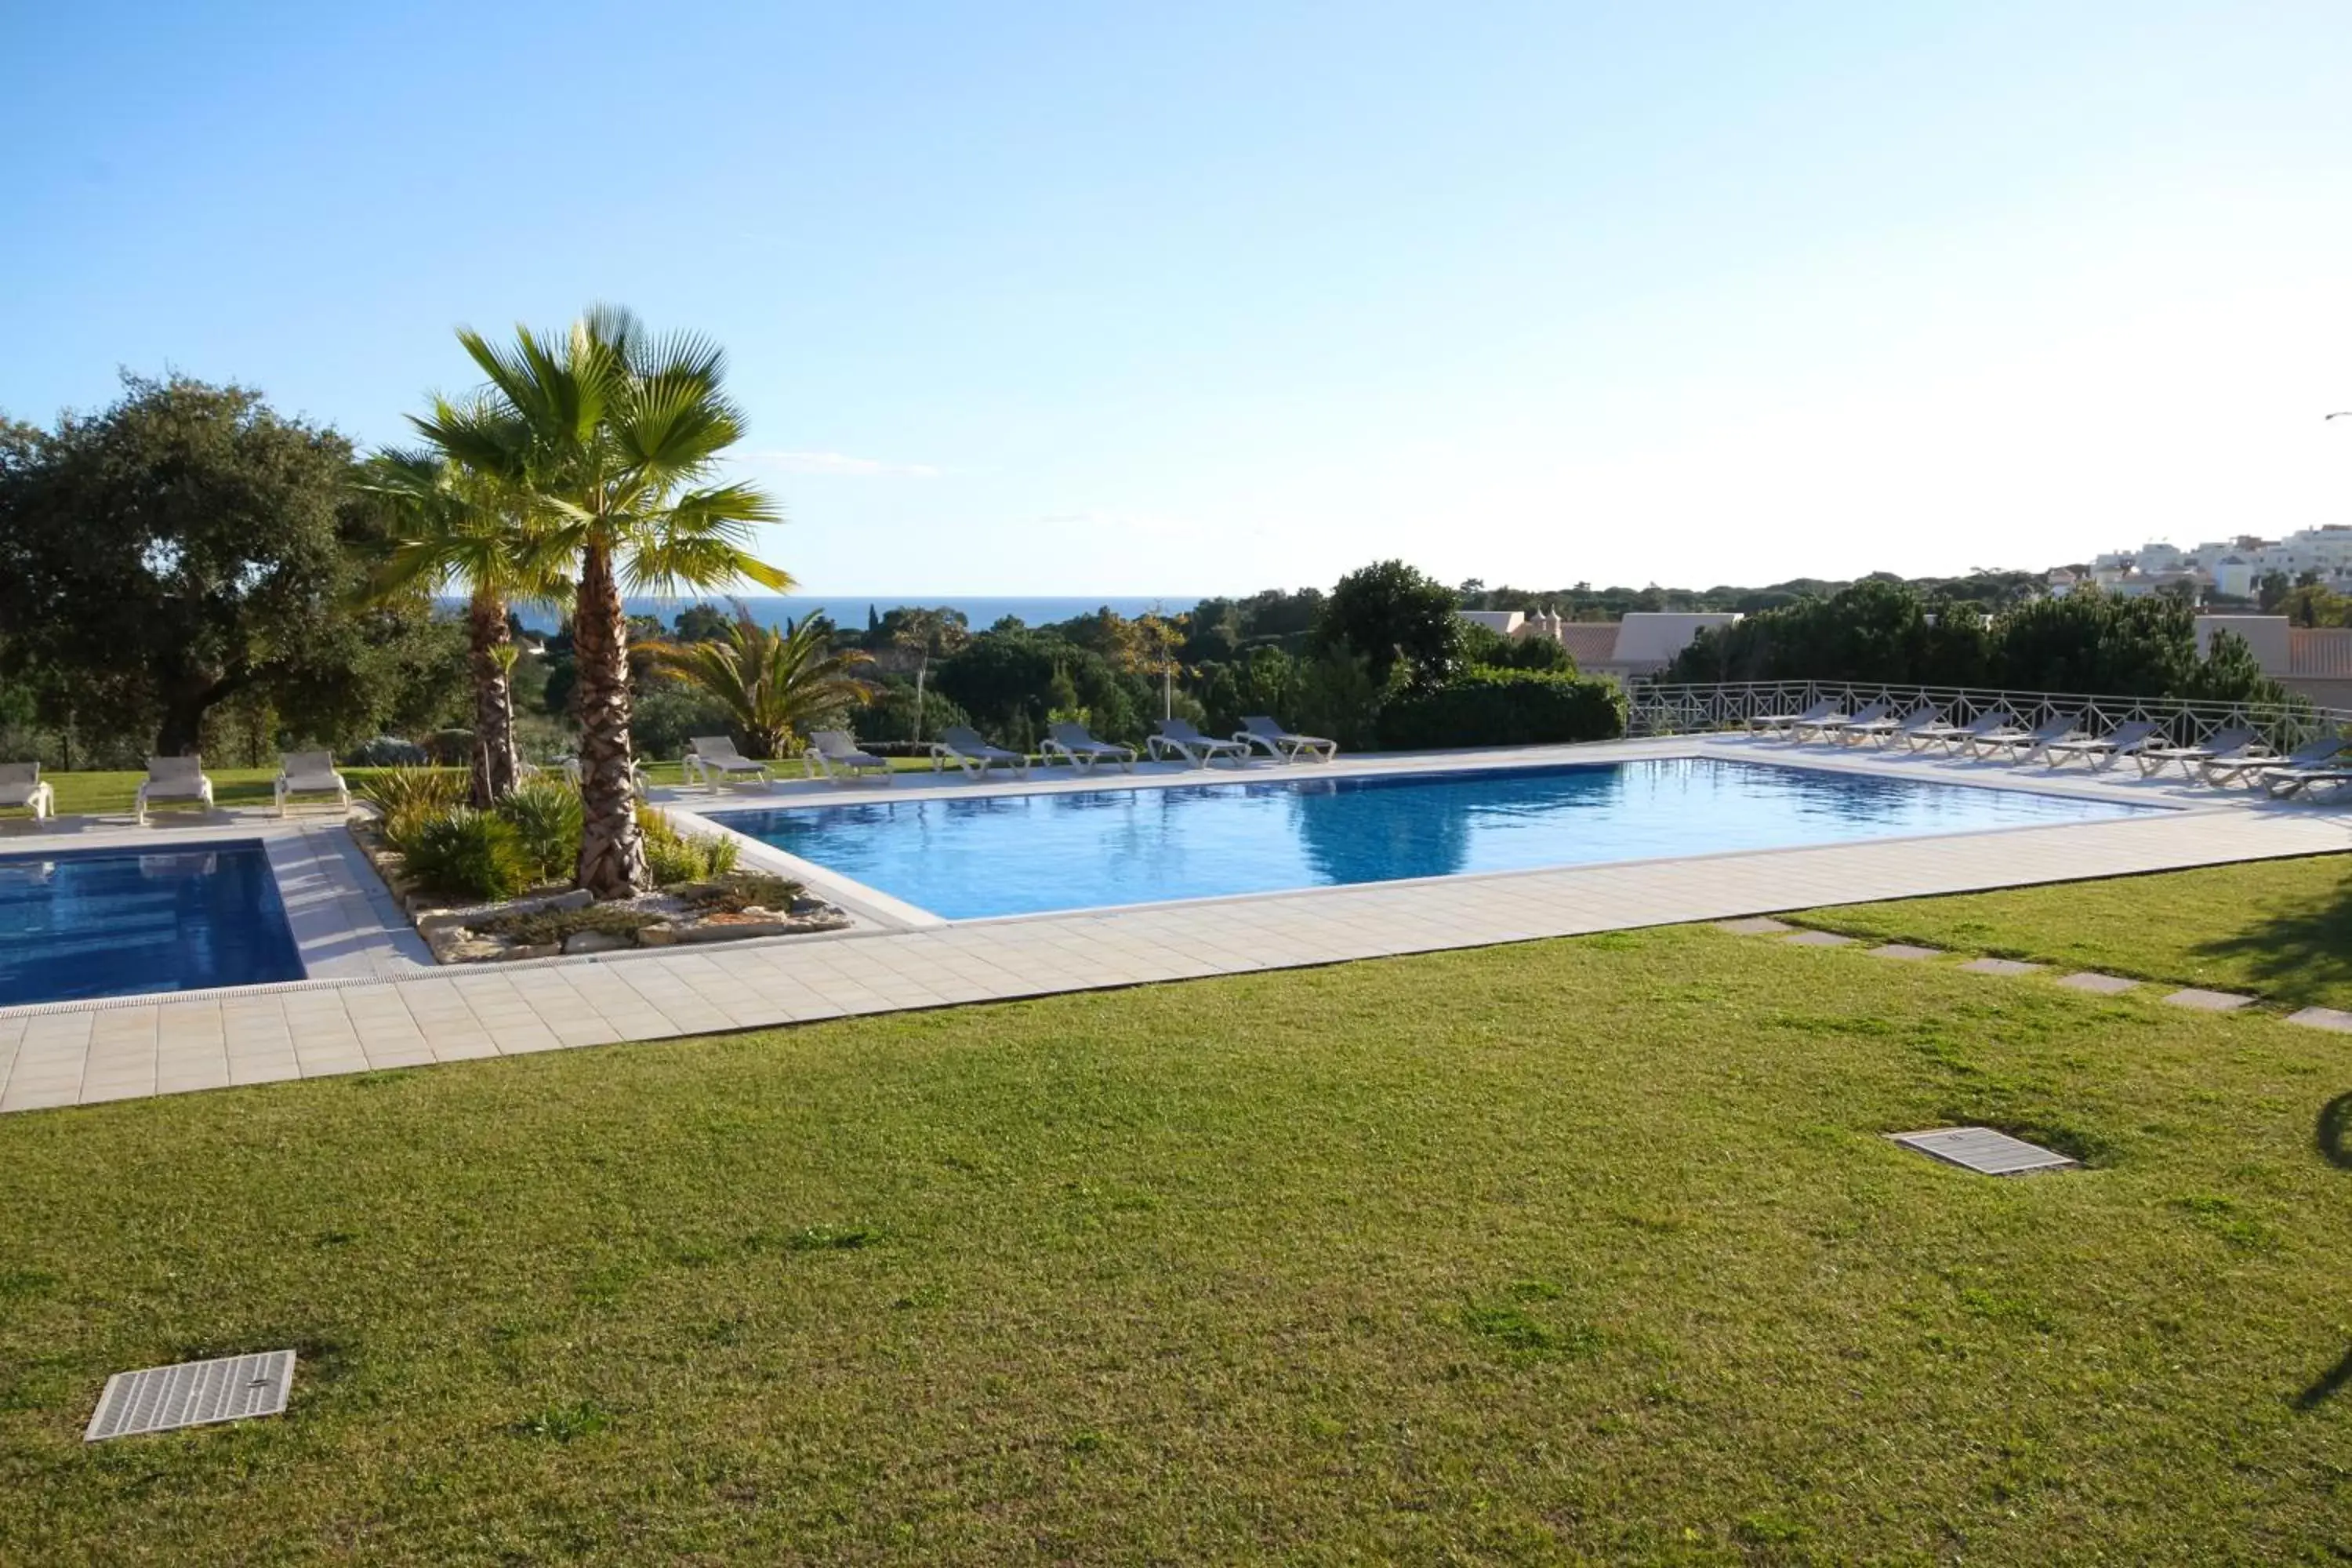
{"type": "Point", "coordinates": [611, 852]}
{"type": "Point", "coordinates": [494, 751]}
{"type": "Point", "coordinates": [922, 670]}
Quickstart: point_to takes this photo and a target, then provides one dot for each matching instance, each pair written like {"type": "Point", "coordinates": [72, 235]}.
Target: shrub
{"type": "Point", "coordinates": [385, 752]}
{"type": "Point", "coordinates": [450, 748]}
{"type": "Point", "coordinates": [409, 797]}
{"type": "Point", "coordinates": [463, 853]}
{"type": "Point", "coordinates": [892, 715]}
{"type": "Point", "coordinates": [547, 818]}
{"type": "Point", "coordinates": [1484, 647]}
{"type": "Point", "coordinates": [672, 856]}
{"type": "Point", "coordinates": [1339, 697]}
{"type": "Point", "coordinates": [1506, 708]}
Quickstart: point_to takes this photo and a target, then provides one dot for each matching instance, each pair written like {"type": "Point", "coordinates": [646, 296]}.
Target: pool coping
{"type": "Point", "coordinates": [60, 1054]}
{"type": "Point", "coordinates": [885, 909]}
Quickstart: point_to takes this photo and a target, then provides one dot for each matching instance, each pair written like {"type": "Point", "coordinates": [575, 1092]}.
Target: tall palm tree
{"type": "Point", "coordinates": [773, 683]}
{"type": "Point", "coordinates": [621, 431]}
{"type": "Point", "coordinates": [458, 525]}
{"type": "Point", "coordinates": [926, 633]}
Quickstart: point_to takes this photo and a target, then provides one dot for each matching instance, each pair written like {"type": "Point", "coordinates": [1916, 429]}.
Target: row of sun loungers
{"type": "Point", "coordinates": [179, 781]}
{"type": "Point", "coordinates": [834, 754]}
{"type": "Point", "coordinates": [2234, 755]}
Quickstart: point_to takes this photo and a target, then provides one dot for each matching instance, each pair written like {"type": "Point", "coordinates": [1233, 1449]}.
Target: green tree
{"type": "Point", "coordinates": [188, 545]}
{"type": "Point", "coordinates": [1876, 630]}
{"type": "Point", "coordinates": [2096, 643]}
{"type": "Point", "coordinates": [775, 685]}
{"type": "Point", "coordinates": [702, 622]}
{"type": "Point", "coordinates": [460, 527]}
{"type": "Point", "coordinates": [1396, 618]}
{"type": "Point", "coordinates": [928, 635]}
{"type": "Point", "coordinates": [1157, 652]}
{"type": "Point", "coordinates": [621, 431]}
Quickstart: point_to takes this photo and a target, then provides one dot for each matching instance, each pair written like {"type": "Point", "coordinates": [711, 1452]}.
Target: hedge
{"type": "Point", "coordinates": [1506, 708]}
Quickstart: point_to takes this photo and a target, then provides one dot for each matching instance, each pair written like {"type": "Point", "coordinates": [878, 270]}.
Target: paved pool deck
{"type": "Point", "coordinates": [376, 1001]}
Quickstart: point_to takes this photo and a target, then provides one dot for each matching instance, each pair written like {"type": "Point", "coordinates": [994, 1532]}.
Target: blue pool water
{"type": "Point", "coordinates": [1003, 854]}
{"type": "Point", "coordinates": [108, 922]}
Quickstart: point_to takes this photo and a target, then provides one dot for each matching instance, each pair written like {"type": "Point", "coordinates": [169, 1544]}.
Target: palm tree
{"type": "Point", "coordinates": [621, 431]}
{"type": "Point", "coordinates": [775, 684]}
{"type": "Point", "coordinates": [926, 633]}
{"type": "Point", "coordinates": [456, 525]}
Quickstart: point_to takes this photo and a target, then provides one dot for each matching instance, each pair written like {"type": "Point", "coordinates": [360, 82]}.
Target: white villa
{"type": "Point", "coordinates": [1643, 644]}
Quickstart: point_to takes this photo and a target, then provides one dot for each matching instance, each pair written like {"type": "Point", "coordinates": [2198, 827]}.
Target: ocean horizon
{"type": "Point", "coordinates": [849, 610]}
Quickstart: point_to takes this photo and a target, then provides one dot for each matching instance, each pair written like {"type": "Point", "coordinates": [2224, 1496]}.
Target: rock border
{"type": "Point", "coordinates": [452, 931]}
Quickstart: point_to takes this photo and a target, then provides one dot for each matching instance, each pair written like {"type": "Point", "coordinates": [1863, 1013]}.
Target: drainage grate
{"type": "Point", "coordinates": [193, 1394]}
{"type": "Point", "coordinates": [1984, 1150]}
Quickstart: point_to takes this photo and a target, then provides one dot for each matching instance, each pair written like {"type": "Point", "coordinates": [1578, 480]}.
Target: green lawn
{"type": "Point", "coordinates": [1583, 1250]}
{"type": "Point", "coordinates": [2279, 928]}
{"type": "Point", "coordinates": [114, 792]}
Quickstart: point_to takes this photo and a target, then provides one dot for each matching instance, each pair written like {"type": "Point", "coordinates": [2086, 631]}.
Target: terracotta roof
{"type": "Point", "coordinates": [1590, 642]}
{"type": "Point", "coordinates": [2324, 651]}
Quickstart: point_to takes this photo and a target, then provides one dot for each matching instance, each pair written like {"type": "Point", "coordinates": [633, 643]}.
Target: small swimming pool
{"type": "Point", "coordinates": [78, 923]}
{"type": "Point", "coordinates": [1004, 855]}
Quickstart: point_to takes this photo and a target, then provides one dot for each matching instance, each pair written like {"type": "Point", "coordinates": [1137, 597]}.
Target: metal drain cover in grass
{"type": "Point", "coordinates": [1984, 1150]}
{"type": "Point", "coordinates": [193, 1394]}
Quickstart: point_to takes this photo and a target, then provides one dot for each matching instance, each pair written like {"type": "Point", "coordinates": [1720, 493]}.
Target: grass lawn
{"type": "Point", "coordinates": [1576, 1251]}
{"type": "Point", "coordinates": [114, 792]}
{"type": "Point", "coordinates": [2279, 928]}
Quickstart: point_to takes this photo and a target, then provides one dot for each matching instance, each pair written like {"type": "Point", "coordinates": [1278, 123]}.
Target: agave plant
{"type": "Point", "coordinates": [773, 683]}
{"type": "Point", "coordinates": [613, 434]}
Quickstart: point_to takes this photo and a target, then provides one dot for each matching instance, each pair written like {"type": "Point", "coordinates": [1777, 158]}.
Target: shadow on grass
{"type": "Point", "coordinates": [2333, 1136]}
{"type": "Point", "coordinates": [2301, 956]}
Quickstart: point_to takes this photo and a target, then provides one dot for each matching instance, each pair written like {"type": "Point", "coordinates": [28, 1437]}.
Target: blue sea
{"type": "Point", "coordinates": [849, 610]}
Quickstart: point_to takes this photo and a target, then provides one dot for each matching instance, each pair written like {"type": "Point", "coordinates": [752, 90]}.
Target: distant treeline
{"type": "Point", "coordinates": [1583, 601]}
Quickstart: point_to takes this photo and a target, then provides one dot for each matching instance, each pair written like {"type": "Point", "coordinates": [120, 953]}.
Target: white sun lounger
{"type": "Point", "coordinates": [1953, 737]}
{"type": "Point", "coordinates": [2283, 784]}
{"type": "Point", "coordinates": [309, 773]}
{"type": "Point", "coordinates": [1284, 745]}
{"type": "Point", "coordinates": [967, 749]}
{"type": "Point", "coordinates": [1835, 729]}
{"type": "Point", "coordinates": [1885, 732]}
{"type": "Point", "coordinates": [836, 754]}
{"type": "Point", "coordinates": [714, 760]}
{"type": "Point", "coordinates": [1775, 723]}
{"type": "Point", "coordinates": [1179, 736]}
{"type": "Point", "coordinates": [21, 788]}
{"type": "Point", "coordinates": [2104, 752]}
{"type": "Point", "coordinates": [1981, 742]}
{"type": "Point", "coordinates": [1074, 745]}
{"type": "Point", "coordinates": [2222, 746]}
{"type": "Point", "coordinates": [2024, 747]}
{"type": "Point", "coordinates": [179, 779]}
{"type": "Point", "coordinates": [2249, 770]}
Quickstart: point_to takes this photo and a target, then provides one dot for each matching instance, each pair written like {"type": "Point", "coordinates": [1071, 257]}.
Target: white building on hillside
{"type": "Point", "coordinates": [1643, 644]}
{"type": "Point", "coordinates": [2231, 568]}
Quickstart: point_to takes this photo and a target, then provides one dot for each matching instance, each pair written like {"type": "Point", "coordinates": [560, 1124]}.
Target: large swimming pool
{"type": "Point", "coordinates": [78, 923]}
{"type": "Point", "coordinates": [1004, 855]}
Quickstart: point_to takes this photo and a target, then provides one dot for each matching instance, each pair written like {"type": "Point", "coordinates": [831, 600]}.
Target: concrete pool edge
{"type": "Point", "coordinates": [890, 909]}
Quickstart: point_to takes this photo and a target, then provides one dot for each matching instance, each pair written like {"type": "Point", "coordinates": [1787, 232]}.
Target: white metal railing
{"type": "Point", "coordinates": [1656, 709]}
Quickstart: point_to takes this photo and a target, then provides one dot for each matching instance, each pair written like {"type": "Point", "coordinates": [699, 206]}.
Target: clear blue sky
{"type": "Point", "coordinates": [1113, 298]}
